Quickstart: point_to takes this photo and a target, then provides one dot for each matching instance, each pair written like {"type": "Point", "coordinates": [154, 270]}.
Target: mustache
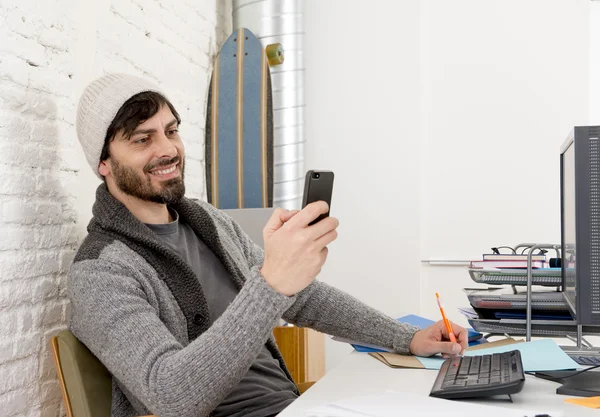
{"type": "Point", "coordinates": [161, 162]}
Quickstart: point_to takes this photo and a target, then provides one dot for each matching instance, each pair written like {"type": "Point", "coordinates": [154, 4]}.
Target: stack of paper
{"type": "Point", "coordinates": [468, 312]}
{"type": "Point", "coordinates": [538, 355]}
{"type": "Point", "coordinates": [394, 404]}
{"type": "Point", "coordinates": [395, 360]}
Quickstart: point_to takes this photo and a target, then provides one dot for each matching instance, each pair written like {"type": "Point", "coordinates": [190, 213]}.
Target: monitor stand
{"type": "Point", "coordinates": [583, 347]}
{"type": "Point", "coordinates": [583, 384]}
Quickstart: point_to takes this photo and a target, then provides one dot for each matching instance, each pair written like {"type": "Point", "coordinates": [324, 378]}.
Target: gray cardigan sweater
{"type": "Point", "coordinates": [140, 309]}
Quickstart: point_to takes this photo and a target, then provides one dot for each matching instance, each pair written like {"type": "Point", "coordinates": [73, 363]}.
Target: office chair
{"type": "Point", "coordinates": [86, 384]}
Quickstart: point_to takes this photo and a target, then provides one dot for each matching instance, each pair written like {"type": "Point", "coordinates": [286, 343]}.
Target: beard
{"type": "Point", "coordinates": [139, 186]}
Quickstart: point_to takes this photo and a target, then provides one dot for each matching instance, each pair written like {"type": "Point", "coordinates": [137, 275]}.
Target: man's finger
{"type": "Point", "coordinates": [326, 239]}
{"type": "Point", "coordinates": [275, 221]}
{"type": "Point", "coordinates": [324, 227]}
{"type": "Point", "coordinates": [286, 215]}
{"type": "Point", "coordinates": [447, 347]}
{"type": "Point", "coordinates": [462, 335]}
{"type": "Point", "coordinates": [309, 213]}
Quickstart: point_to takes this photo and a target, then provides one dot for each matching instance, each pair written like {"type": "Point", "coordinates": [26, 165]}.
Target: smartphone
{"type": "Point", "coordinates": [318, 186]}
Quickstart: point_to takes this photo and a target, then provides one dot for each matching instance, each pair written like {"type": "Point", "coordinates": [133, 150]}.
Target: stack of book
{"type": "Point", "coordinates": [511, 269]}
{"type": "Point", "coordinates": [509, 261]}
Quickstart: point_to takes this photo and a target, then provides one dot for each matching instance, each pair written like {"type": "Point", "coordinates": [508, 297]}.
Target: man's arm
{"type": "Point", "coordinates": [112, 316]}
{"type": "Point", "coordinates": [332, 311]}
{"type": "Point", "coordinates": [325, 308]}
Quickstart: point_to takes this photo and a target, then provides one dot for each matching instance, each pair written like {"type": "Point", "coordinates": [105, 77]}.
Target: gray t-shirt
{"type": "Point", "coordinates": [265, 389]}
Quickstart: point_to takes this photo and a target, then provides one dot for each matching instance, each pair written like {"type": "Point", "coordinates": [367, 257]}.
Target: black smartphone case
{"type": "Point", "coordinates": [318, 186]}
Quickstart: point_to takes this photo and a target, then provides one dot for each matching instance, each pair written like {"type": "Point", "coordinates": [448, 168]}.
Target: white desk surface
{"type": "Point", "coordinates": [361, 374]}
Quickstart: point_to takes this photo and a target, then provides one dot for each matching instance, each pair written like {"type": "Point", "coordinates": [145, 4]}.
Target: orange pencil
{"type": "Point", "coordinates": [446, 321]}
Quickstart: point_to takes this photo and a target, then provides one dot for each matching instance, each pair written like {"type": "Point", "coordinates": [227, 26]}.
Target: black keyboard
{"type": "Point", "coordinates": [480, 376]}
{"type": "Point", "coordinates": [586, 360]}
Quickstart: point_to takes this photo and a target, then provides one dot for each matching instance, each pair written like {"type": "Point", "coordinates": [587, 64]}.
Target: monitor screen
{"type": "Point", "coordinates": [580, 223]}
{"type": "Point", "coordinates": [569, 260]}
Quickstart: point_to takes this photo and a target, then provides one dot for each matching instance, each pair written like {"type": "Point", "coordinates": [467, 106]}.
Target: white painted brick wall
{"type": "Point", "coordinates": [49, 50]}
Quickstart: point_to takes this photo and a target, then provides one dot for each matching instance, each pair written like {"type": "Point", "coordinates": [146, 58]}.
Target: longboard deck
{"type": "Point", "coordinates": [239, 126]}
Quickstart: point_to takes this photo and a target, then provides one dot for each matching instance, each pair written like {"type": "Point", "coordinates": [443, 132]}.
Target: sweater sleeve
{"type": "Point", "coordinates": [112, 316]}
{"type": "Point", "coordinates": [329, 310]}
{"type": "Point", "coordinates": [332, 311]}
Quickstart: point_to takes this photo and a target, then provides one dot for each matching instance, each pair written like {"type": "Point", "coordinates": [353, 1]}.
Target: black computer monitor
{"type": "Point", "coordinates": [580, 223]}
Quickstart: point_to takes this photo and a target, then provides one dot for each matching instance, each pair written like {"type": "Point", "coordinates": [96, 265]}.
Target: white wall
{"type": "Point", "coordinates": [434, 116]}
{"type": "Point", "coordinates": [48, 52]}
{"type": "Point", "coordinates": [504, 87]}
{"type": "Point", "coordinates": [362, 122]}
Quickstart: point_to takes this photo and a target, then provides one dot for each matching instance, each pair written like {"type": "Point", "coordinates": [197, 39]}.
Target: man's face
{"type": "Point", "coordinates": [149, 164]}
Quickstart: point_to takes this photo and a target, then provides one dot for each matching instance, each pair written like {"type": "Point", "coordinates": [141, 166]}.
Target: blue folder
{"type": "Point", "coordinates": [475, 338]}
{"type": "Point", "coordinates": [509, 314]}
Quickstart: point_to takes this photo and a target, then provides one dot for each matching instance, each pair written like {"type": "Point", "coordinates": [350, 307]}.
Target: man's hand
{"type": "Point", "coordinates": [434, 339]}
{"type": "Point", "coordinates": [294, 251]}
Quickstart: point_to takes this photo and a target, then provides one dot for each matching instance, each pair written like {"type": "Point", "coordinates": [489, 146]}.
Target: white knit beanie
{"type": "Point", "coordinates": [98, 106]}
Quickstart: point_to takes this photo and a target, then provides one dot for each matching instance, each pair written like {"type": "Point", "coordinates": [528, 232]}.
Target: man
{"type": "Point", "coordinates": [173, 297]}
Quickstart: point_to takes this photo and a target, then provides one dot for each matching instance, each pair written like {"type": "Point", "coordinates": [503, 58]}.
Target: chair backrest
{"type": "Point", "coordinates": [85, 383]}
{"type": "Point", "coordinates": [252, 221]}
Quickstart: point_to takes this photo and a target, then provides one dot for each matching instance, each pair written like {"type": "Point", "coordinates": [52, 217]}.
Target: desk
{"type": "Point", "coordinates": [361, 374]}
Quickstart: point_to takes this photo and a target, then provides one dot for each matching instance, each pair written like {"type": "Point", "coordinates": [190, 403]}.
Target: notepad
{"type": "Point", "coordinates": [591, 402]}
{"type": "Point", "coordinates": [538, 355]}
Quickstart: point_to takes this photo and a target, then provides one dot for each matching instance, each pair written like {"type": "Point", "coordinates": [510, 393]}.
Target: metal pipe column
{"type": "Point", "coordinates": [282, 21]}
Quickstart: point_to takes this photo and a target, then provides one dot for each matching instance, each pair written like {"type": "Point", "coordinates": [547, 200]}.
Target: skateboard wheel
{"type": "Point", "coordinates": [274, 54]}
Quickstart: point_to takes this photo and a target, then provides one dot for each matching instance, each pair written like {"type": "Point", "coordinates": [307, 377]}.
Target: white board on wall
{"type": "Point", "coordinates": [502, 88]}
